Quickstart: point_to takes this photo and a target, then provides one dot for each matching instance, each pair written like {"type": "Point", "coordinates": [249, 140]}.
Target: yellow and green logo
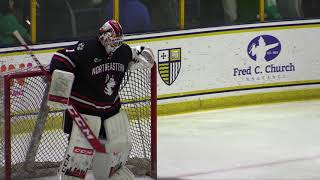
{"type": "Point", "coordinates": [169, 64]}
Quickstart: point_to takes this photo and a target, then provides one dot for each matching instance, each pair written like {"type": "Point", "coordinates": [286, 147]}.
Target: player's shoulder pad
{"type": "Point", "coordinates": [125, 49]}
{"type": "Point", "coordinates": [80, 47]}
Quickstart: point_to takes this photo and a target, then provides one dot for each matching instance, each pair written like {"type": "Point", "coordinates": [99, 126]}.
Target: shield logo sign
{"type": "Point", "coordinates": [169, 64]}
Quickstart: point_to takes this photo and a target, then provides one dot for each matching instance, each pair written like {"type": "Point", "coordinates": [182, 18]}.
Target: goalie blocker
{"type": "Point", "coordinates": [60, 89]}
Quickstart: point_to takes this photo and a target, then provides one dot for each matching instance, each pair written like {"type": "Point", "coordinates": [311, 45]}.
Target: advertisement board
{"type": "Point", "coordinates": [217, 62]}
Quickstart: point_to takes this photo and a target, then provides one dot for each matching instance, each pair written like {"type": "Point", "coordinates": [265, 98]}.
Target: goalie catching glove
{"type": "Point", "coordinates": [142, 57]}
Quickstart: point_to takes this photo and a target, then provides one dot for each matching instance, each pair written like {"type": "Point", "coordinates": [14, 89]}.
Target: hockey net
{"type": "Point", "coordinates": [32, 139]}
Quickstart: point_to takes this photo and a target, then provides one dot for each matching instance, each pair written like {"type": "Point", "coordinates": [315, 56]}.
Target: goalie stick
{"type": "Point", "coordinates": [77, 118]}
{"type": "Point", "coordinates": [25, 45]}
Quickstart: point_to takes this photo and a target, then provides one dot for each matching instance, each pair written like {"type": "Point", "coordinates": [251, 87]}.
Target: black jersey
{"type": "Point", "coordinates": [97, 76]}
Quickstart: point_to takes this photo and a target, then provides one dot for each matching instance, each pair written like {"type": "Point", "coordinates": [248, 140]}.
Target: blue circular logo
{"type": "Point", "coordinates": [264, 48]}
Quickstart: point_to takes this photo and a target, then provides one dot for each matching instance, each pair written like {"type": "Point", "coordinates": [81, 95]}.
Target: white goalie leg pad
{"type": "Point", "coordinates": [80, 153]}
{"type": "Point", "coordinates": [118, 133]}
{"type": "Point", "coordinates": [111, 166]}
{"type": "Point", "coordinates": [60, 89]}
{"type": "Point", "coordinates": [102, 164]}
{"type": "Point", "coordinates": [118, 145]}
{"type": "Point", "coordinates": [122, 174]}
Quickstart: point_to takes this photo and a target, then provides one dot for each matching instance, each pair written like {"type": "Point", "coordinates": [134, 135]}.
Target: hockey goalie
{"type": "Point", "coordinates": [86, 78]}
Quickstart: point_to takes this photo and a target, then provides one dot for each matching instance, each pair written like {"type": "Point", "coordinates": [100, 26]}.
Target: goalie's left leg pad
{"type": "Point", "coordinates": [122, 174]}
{"type": "Point", "coordinates": [79, 154]}
{"type": "Point", "coordinates": [118, 145]}
{"type": "Point", "coordinates": [118, 134]}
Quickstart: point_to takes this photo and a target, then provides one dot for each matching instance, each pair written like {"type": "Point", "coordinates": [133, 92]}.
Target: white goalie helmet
{"type": "Point", "coordinates": [111, 35]}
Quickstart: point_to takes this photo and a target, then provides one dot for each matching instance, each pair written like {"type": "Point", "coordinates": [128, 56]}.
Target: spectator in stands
{"type": "Point", "coordinates": [271, 10]}
{"type": "Point", "coordinates": [10, 23]}
{"type": "Point", "coordinates": [248, 11]}
{"type": "Point", "coordinates": [230, 11]}
{"type": "Point", "coordinates": [192, 14]}
{"type": "Point", "coordinates": [134, 15]}
{"type": "Point", "coordinates": [291, 9]}
{"type": "Point", "coordinates": [54, 20]}
{"type": "Point", "coordinates": [211, 13]}
{"type": "Point", "coordinates": [164, 14]}
{"type": "Point", "coordinates": [225, 12]}
{"type": "Point", "coordinates": [311, 8]}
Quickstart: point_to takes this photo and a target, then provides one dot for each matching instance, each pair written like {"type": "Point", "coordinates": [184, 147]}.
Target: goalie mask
{"type": "Point", "coordinates": [111, 36]}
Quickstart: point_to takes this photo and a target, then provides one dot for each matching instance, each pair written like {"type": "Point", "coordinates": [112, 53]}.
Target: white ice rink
{"type": "Point", "coordinates": [264, 142]}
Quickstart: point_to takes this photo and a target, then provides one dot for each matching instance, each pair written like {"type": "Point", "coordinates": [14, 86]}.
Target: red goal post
{"type": "Point", "coordinates": [33, 142]}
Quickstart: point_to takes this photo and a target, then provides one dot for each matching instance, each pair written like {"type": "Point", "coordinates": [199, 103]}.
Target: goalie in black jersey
{"type": "Point", "coordinates": [88, 75]}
